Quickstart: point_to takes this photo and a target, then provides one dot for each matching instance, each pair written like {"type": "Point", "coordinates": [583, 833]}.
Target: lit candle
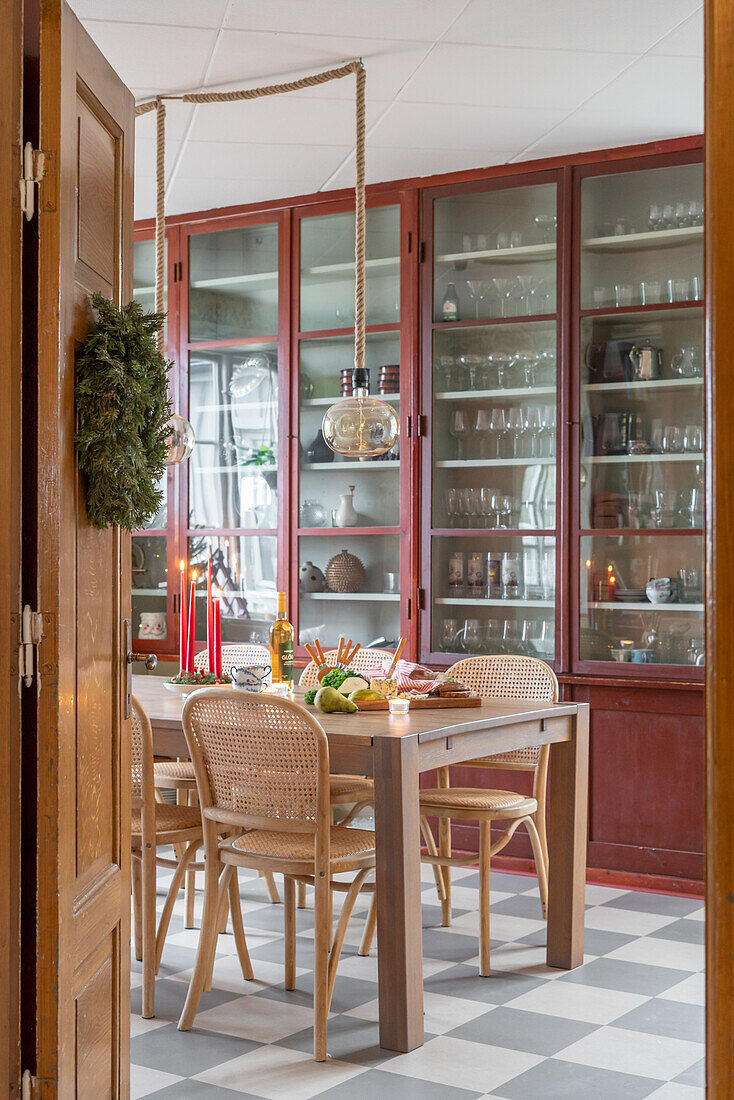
{"type": "Point", "coordinates": [218, 634]}
{"type": "Point", "coordinates": [589, 582]}
{"type": "Point", "coordinates": [209, 618]}
{"type": "Point", "coordinates": [182, 609]}
{"type": "Point", "coordinates": [192, 626]}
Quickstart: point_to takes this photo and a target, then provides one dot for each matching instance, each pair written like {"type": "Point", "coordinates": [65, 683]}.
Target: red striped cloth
{"type": "Point", "coordinates": [404, 673]}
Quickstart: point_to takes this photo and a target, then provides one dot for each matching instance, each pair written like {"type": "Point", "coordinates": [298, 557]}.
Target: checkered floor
{"type": "Point", "coordinates": [627, 1024]}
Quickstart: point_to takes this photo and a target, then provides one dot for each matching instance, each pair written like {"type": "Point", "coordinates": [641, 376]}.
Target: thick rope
{"type": "Point", "coordinates": [311, 81]}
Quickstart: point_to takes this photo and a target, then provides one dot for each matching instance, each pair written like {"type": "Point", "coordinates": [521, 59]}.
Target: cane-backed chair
{"type": "Point", "coordinates": [154, 824]}
{"type": "Point", "coordinates": [262, 768]}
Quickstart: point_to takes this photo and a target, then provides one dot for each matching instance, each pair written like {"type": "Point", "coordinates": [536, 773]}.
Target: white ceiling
{"type": "Point", "coordinates": [451, 85]}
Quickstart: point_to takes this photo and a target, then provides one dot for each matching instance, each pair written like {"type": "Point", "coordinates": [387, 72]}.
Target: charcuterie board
{"type": "Point", "coordinates": [429, 702]}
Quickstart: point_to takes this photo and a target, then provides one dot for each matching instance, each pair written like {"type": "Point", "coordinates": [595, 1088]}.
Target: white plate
{"type": "Point", "coordinates": [186, 689]}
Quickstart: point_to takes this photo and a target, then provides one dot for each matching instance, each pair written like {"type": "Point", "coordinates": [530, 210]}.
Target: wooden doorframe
{"type": "Point", "coordinates": [719, 237]}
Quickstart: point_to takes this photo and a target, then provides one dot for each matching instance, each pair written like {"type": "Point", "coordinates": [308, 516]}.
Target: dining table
{"type": "Point", "coordinates": [394, 750]}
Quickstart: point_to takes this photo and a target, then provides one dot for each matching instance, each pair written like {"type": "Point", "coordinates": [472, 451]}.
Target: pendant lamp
{"type": "Point", "coordinates": [361, 426]}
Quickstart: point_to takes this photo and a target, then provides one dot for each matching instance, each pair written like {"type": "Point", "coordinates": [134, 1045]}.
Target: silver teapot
{"type": "Point", "coordinates": [645, 362]}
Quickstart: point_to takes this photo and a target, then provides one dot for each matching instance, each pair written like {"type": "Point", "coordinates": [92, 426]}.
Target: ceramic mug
{"type": "Point", "coordinates": [249, 677]}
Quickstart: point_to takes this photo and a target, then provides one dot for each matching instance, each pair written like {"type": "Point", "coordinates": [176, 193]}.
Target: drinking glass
{"type": "Point", "coordinates": [548, 431]}
{"type": "Point", "coordinates": [527, 285]}
{"type": "Point", "coordinates": [476, 293]}
{"type": "Point", "coordinates": [465, 505]}
{"type": "Point", "coordinates": [681, 215]}
{"type": "Point", "coordinates": [458, 429]}
{"type": "Point", "coordinates": [497, 429]}
{"type": "Point", "coordinates": [502, 506]}
{"type": "Point", "coordinates": [624, 295]}
{"type": "Point", "coordinates": [470, 365]}
{"type": "Point", "coordinates": [480, 242]}
{"type": "Point", "coordinates": [533, 431]}
{"type": "Point", "coordinates": [638, 509]}
{"type": "Point", "coordinates": [620, 227]}
{"type": "Point", "coordinates": [696, 288]}
{"type": "Point", "coordinates": [546, 223]}
{"type": "Point", "coordinates": [515, 239]}
{"type": "Point", "coordinates": [503, 240]}
{"type": "Point", "coordinates": [655, 217]}
{"type": "Point", "coordinates": [515, 427]}
{"type": "Point", "coordinates": [651, 292]}
{"type": "Point", "coordinates": [474, 506]}
{"type": "Point", "coordinates": [678, 290]}
{"type": "Point", "coordinates": [471, 635]}
{"type": "Point", "coordinates": [600, 296]}
{"type": "Point", "coordinates": [481, 430]}
{"type": "Point", "coordinates": [452, 505]}
{"type": "Point", "coordinates": [507, 290]}
{"type": "Point", "coordinates": [511, 632]}
{"type": "Point", "coordinates": [693, 439]}
{"type": "Point", "coordinates": [668, 216]}
{"type": "Point", "coordinates": [688, 362]}
{"type": "Point", "coordinates": [485, 506]}
{"type": "Point", "coordinates": [672, 441]}
{"type": "Point", "coordinates": [548, 574]}
{"type": "Point", "coordinates": [449, 630]}
{"type": "Point", "coordinates": [492, 634]}
{"type": "Point", "coordinates": [695, 212]}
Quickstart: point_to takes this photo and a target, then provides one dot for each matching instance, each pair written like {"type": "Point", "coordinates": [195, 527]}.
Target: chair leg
{"type": "Point", "coordinates": [137, 889]}
{"type": "Point", "coordinates": [190, 890]}
{"type": "Point", "coordinates": [207, 943]}
{"type": "Point", "coordinates": [301, 895]}
{"type": "Point", "coordinates": [289, 899]}
{"type": "Point", "coordinates": [369, 929]}
{"type": "Point", "coordinates": [444, 848]}
{"type": "Point", "coordinates": [539, 821]}
{"type": "Point", "coordinates": [341, 928]}
{"type": "Point", "coordinates": [148, 923]}
{"type": "Point", "coordinates": [485, 844]}
{"type": "Point", "coordinates": [540, 864]}
{"type": "Point", "coordinates": [322, 938]}
{"type": "Point", "coordinates": [235, 908]}
{"type": "Point", "coordinates": [222, 917]}
{"type": "Point", "coordinates": [433, 851]}
{"type": "Point", "coordinates": [270, 886]}
{"type": "Point", "coordinates": [173, 891]}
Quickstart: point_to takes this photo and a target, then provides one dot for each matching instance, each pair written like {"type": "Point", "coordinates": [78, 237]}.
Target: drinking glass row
{"type": "Point", "coordinates": [509, 296]}
{"type": "Point", "coordinates": [520, 432]}
{"type": "Point", "coordinates": [491, 509]}
{"type": "Point", "coordinates": [649, 292]}
{"type": "Point", "coordinates": [497, 370]}
{"type": "Point", "coordinates": [497, 636]}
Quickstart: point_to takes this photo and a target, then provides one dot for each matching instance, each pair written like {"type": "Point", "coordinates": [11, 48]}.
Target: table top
{"type": "Point", "coordinates": [163, 707]}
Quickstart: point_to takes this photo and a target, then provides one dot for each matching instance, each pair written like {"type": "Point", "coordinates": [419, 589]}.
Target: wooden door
{"type": "Point", "coordinates": [85, 226]}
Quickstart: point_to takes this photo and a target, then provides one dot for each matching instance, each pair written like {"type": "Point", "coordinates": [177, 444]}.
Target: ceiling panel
{"type": "Point", "coordinates": [418, 20]}
{"type": "Point", "coordinates": [503, 77]}
{"type": "Point", "coordinates": [214, 160]}
{"type": "Point", "coordinates": [686, 40]}
{"type": "Point", "coordinates": [201, 194]}
{"type": "Point", "coordinates": [280, 120]}
{"type": "Point", "coordinates": [165, 57]}
{"type": "Point", "coordinates": [624, 26]}
{"type": "Point", "coordinates": [668, 90]}
{"type": "Point", "coordinates": [174, 13]}
{"type": "Point", "coordinates": [409, 124]}
{"type": "Point", "coordinates": [386, 164]}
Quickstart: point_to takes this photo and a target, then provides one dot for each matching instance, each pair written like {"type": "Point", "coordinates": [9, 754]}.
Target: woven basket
{"type": "Point", "coordinates": [345, 573]}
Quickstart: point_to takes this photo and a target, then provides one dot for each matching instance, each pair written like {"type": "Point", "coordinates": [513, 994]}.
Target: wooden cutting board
{"type": "Point", "coordinates": [429, 703]}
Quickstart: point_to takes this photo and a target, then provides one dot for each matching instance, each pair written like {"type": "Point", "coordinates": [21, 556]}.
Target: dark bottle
{"type": "Point", "coordinates": [450, 307]}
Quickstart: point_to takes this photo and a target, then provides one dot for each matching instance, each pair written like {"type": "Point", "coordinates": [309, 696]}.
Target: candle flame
{"type": "Point", "coordinates": [194, 575]}
{"type": "Point", "coordinates": [182, 565]}
{"type": "Point", "coordinates": [588, 563]}
{"type": "Point", "coordinates": [610, 568]}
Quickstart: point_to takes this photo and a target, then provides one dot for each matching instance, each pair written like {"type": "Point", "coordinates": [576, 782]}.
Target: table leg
{"type": "Point", "coordinates": [568, 803]}
{"type": "Point", "coordinates": [399, 936]}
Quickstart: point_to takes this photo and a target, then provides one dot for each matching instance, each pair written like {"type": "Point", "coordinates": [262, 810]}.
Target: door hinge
{"type": "Point", "coordinates": [31, 634]}
{"type": "Point", "coordinates": [34, 166]}
{"type": "Point", "coordinates": [422, 252]}
{"type": "Point", "coordinates": [421, 425]}
{"type": "Point", "coordinates": [29, 1086]}
{"type": "Point", "coordinates": [421, 599]}
{"type": "Point", "coordinates": [409, 609]}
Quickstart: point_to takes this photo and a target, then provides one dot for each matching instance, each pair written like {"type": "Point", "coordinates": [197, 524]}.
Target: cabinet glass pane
{"type": "Point", "coordinates": [245, 568]}
{"type": "Point", "coordinates": [495, 254]}
{"type": "Point", "coordinates": [144, 274]}
{"type": "Point", "coordinates": [360, 599]}
{"type": "Point", "coordinates": [326, 477]}
{"type": "Point", "coordinates": [327, 269]}
{"type": "Point", "coordinates": [494, 426]}
{"type": "Point", "coordinates": [149, 587]}
{"type": "Point", "coordinates": [619, 622]}
{"type": "Point", "coordinates": [642, 420]}
{"type": "Point", "coordinates": [642, 235]}
{"type": "Point", "coordinates": [233, 290]}
{"type": "Point", "coordinates": [233, 407]}
{"type": "Point", "coordinates": [493, 595]}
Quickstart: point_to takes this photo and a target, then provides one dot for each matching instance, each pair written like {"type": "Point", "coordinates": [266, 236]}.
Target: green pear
{"type": "Point", "coordinates": [330, 701]}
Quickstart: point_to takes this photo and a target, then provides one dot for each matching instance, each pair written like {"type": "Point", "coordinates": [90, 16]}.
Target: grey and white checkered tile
{"type": "Point", "coordinates": [626, 1024]}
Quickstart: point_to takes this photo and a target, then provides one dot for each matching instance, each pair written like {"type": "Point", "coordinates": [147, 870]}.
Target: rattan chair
{"type": "Point", "coordinates": [154, 824]}
{"type": "Point", "coordinates": [179, 775]}
{"type": "Point", "coordinates": [262, 767]}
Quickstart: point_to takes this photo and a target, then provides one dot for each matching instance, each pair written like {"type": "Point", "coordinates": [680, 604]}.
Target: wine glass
{"type": "Point", "coordinates": [481, 429]}
{"type": "Point", "coordinates": [546, 223]}
{"type": "Point", "coordinates": [506, 289]}
{"type": "Point", "coordinates": [533, 430]}
{"type": "Point", "coordinates": [681, 215]}
{"type": "Point", "coordinates": [452, 505]}
{"type": "Point", "coordinates": [672, 441]}
{"type": "Point", "coordinates": [693, 439]}
{"type": "Point", "coordinates": [474, 506]}
{"type": "Point", "coordinates": [449, 629]}
{"type": "Point", "coordinates": [497, 428]}
{"type": "Point", "coordinates": [502, 506]}
{"type": "Point", "coordinates": [548, 431]}
{"type": "Point", "coordinates": [476, 293]}
{"type": "Point", "coordinates": [485, 506]}
{"type": "Point", "coordinates": [458, 429]}
{"type": "Point", "coordinates": [515, 427]}
{"type": "Point", "coordinates": [526, 284]}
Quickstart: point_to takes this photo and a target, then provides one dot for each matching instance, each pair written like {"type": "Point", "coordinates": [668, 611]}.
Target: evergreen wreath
{"type": "Point", "coordinates": [123, 410]}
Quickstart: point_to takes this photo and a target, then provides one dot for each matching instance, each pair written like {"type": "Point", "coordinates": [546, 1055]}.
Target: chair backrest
{"type": "Point", "coordinates": [239, 654]}
{"type": "Point", "coordinates": [260, 761]}
{"type": "Point", "coordinates": [506, 676]}
{"type": "Point", "coordinates": [364, 659]}
{"type": "Point", "coordinates": [141, 769]}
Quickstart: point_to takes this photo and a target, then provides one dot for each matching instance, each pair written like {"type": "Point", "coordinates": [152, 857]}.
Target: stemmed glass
{"type": "Point", "coordinates": [693, 439]}
{"type": "Point", "coordinates": [452, 505]}
{"type": "Point", "coordinates": [526, 284]}
{"type": "Point", "coordinates": [548, 432]}
{"type": "Point", "coordinates": [502, 506]}
{"type": "Point", "coordinates": [533, 430]}
{"type": "Point", "coordinates": [506, 289]}
{"type": "Point", "coordinates": [546, 223]}
{"type": "Point", "coordinates": [481, 430]}
{"type": "Point", "coordinates": [515, 428]}
{"type": "Point", "coordinates": [497, 428]}
{"type": "Point", "coordinates": [476, 293]}
{"type": "Point", "coordinates": [459, 429]}
{"type": "Point", "coordinates": [485, 506]}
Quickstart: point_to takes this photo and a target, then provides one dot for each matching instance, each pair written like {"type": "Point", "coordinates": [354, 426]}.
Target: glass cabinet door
{"type": "Point", "coordinates": [349, 512]}
{"type": "Point", "coordinates": [233, 408]}
{"type": "Point", "coordinates": [493, 447]}
{"type": "Point", "coordinates": [641, 477]}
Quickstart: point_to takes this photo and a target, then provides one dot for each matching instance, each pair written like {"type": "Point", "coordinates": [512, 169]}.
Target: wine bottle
{"type": "Point", "coordinates": [281, 647]}
{"type": "Point", "coordinates": [450, 307]}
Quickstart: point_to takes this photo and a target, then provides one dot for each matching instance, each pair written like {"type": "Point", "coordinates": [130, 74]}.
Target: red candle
{"type": "Point", "coordinates": [218, 634]}
{"type": "Point", "coordinates": [192, 626]}
{"type": "Point", "coordinates": [182, 638]}
{"type": "Point", "coordinates": [209, 618]}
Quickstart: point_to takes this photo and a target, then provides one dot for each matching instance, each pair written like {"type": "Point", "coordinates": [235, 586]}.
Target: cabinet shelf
{"type": "Point", "coordinates": [325, 402]}
{"type": "Point", "coordinates": [529, 392]}
{"type": "Point", "coordinates": [604, 460]}
{"type": "Point", "coordinates": [475, 601]}
{"type": "Point", "coordinates": [464, 463]}
{"type": "Point", "coordinates": [634, 242]}
{"type": "Point", "coordinates": [526, 253]}
{"type": "Point", "coordinates": [620, 605]}
{"type": "Point", "coordinates": [656, 384]}
{"type": "Point", "coordinates": [372, 466]}
{"type": "Point", "coordinates": [269, 469]}
{"type": "Point", "coordinates": [370, 597]}
{"type": "Point", "coordinates": [235, 280]}
{"type": "Point", "coordinates": [149, 591]}
{"type": "Point", "coordinates": [347, 268]}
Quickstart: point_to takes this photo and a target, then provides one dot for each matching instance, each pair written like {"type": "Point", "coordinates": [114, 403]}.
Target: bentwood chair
{"type": "Point", "coordinates": [495, 677]}
{"type": "Point", "coordinates": [178, 775]}
{"type": "Point", "coordinates": [262, 770]}
{"type": "Point", "coordinates": [154, 824]}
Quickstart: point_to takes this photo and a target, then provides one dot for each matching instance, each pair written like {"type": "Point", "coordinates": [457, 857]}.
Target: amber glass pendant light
{"type": "Point", "coordinates": [361, 426]}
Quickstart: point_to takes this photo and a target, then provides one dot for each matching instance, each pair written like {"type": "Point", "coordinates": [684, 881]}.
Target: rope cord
{"type": "Point", "coordinates": [158, 105]}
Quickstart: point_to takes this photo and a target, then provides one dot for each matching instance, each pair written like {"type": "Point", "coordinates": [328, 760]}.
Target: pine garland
{"type": "Point", "coordinates": [123, 410]}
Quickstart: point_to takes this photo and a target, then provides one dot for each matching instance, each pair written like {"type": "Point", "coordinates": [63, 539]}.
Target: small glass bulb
{"type": "Point", "coordinates": [180, 440]}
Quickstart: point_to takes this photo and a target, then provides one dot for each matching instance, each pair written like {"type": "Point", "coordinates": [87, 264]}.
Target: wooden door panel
{"type": "Point", "coordinates": [83, 737]}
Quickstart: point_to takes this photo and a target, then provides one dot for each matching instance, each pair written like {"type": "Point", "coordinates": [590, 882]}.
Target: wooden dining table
{"type": "Point", "coordinates": [394, 750]}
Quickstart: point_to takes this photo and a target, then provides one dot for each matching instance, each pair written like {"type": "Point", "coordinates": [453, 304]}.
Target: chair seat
{"type": "Point", "coordinates": [355, 787]}
{"type": "Point", "coordinates": [473, 798]}
{"type": "Point", "coordinates": [175, 769]}
{"type": "Point", "coordinates": [169, 819]}
{"type": "Point", "coordinates": [346, 844]}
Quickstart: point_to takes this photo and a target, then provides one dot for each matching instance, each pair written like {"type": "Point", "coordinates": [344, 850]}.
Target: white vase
{"type": "Point", "coordinates": [345, 513]}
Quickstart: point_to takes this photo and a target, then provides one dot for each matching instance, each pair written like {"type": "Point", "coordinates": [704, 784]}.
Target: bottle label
{"type": "Point", "coordinates": [450, 311]}
{"type": "Point", "coordinates": [285, 660]}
